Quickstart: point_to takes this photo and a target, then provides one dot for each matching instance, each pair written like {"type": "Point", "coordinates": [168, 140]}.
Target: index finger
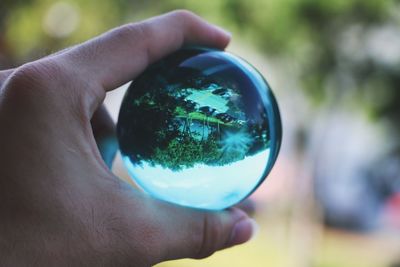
{"type": "Point", "coordinates": [119, 55]}
{"type": "Point", "coordinates": [4, 74]}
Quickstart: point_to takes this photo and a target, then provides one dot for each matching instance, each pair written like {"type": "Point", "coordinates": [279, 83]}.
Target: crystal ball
{"type": "Point", "coordinates": [199, 128]}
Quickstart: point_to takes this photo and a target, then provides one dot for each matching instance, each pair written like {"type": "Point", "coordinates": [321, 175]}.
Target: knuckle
{"type": "Point", "coordinates": [27, 74]}
{"type": "Point", "coordinates": [212, 231]}
{"type": "Point", "coordinates": [186, 21]}
{"type": "Point", "coordinates": [39, 87]}
{"type": "Point", "coordinates": [140, 35]}
{"type": "Point", "coordinates": [184, 15]}
{"type": "Point", "coordinates": [30, 79]}
{"type": "Point", "coordinates": [3, 76]}
{"type": "Point", "coordinates": [118, 231]}
{"type": "Point", "coordinates": [21, 84]}
{"type": "Point", "coordinates": [132, 32]}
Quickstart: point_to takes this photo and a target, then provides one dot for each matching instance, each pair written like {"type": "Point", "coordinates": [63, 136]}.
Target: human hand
{"type": "Point", "coordinates": [59, 203]}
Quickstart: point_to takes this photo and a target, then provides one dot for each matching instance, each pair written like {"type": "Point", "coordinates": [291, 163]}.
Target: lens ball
{"type": "Point", "coordinates": [200, 128]}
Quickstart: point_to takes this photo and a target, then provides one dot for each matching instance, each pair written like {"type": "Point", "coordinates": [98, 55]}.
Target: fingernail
{"type": "Point", "coordinates": [243, 231]}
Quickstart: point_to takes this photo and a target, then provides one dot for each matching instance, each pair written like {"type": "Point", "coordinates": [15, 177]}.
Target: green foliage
{"type": "Point", "coordinates": [303, 33]}
{"type": "Point", "coordinates": [185, 152]}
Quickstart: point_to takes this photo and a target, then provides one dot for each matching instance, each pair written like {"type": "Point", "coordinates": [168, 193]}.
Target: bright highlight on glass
{"type": "Point", "coordinates": [199, 128]}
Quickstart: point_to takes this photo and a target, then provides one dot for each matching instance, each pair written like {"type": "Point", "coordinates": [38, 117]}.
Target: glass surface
{"type": "Point", "coordinates": [199, 128]}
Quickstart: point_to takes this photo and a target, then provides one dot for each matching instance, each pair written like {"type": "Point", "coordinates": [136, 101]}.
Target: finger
{"type": "Point", "coordinates": [183, 232]}
{"type": "Point", "coordinates": [4, 75]}
{"type": "Point", "coordinates": [104, 133]}
{"type": "Point", "coordinates": [198, 234]}
{"type": "Point", "coordinates": [248, 205]}
{"type": "Point", "coordinates": [119, 55]}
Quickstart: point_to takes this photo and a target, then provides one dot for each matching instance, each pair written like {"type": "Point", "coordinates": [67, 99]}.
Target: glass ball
{"type": "Point", "coordinates": [200, 128]}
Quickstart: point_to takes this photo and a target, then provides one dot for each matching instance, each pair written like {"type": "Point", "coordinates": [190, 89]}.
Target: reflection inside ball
{"type": "Point", "coordinates": [199, 128]}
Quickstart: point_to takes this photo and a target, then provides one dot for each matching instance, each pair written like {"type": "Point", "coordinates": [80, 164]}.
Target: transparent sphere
{"type": "Point", "coordinates": [199, 128]}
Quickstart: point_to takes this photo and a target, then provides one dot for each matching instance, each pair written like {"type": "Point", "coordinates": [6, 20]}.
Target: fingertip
{"type": "Point", "coordinates": [199, 31]}
{"type": "Point", "coordinates": [223, 36]}
{"type": "Point", "coordinates": [243, 231]}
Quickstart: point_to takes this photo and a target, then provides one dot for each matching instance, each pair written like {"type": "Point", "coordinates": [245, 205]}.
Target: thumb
{"type": "Point", "coordinates": [188, 233]}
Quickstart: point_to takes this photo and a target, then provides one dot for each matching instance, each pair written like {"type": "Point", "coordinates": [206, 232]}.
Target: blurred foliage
{"type": "Point", "coordinates": [309, 34]}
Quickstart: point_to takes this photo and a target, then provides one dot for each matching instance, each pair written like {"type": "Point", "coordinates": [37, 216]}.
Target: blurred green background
{"type": "Point", "coordinates": [333, 198]}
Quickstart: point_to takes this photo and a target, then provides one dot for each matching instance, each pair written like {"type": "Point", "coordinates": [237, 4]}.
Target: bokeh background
{"type": "Point", "coordinates": [333, 198]}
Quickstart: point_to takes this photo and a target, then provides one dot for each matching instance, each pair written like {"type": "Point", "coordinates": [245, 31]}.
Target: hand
{"type": "Point", "coordinates": [59, 203]}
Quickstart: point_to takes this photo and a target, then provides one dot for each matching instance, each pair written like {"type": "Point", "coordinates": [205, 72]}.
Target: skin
{"type": "Point", "coordinates": [59, 203]}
